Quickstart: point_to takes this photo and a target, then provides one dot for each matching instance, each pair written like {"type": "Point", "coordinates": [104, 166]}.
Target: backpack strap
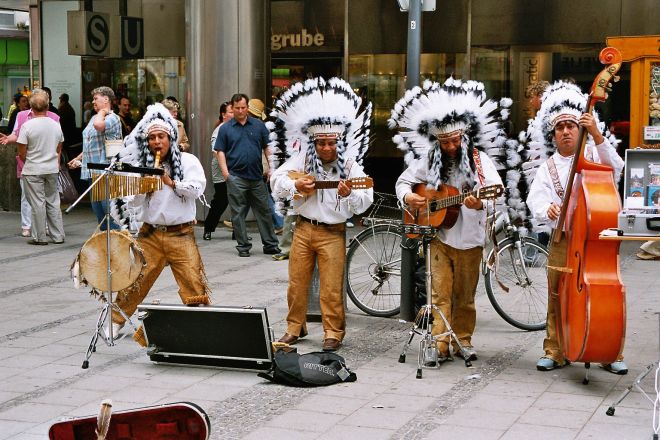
{"type": "Point", "coordinates": [552, 169]}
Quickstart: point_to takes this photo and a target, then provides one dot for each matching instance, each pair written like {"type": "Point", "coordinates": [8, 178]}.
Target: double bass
{"type": "Point", "coordinates": [591, 318]}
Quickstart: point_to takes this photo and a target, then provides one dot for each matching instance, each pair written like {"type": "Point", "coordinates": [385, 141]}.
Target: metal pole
{"type": "Point", "coordinates": [409, 247]}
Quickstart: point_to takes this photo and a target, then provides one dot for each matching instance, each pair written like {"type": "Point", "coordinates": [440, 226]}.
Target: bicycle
{"type": "Point", "coordinates": [373, 260]}
{"type": "Point", "coordinates": [373, 263]}
{"type": "Point", "coordinates": [515, 275]}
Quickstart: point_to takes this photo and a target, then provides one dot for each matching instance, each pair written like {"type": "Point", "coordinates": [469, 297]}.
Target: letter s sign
{"type": "Point", "coordinates": [98, 34]}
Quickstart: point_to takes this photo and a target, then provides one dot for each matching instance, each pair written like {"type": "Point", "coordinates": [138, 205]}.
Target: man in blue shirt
{"type": "Point", "coordinates": [240, 145]}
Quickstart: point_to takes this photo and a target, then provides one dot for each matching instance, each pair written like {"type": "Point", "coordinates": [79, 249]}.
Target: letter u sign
{"type": "Point", "coordinates": [132, 37]}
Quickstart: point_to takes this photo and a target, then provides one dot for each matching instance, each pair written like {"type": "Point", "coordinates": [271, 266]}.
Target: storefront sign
{"type": "Point", "coordinates": [301, 39]}
{"type": "Point", "coordinates": [652, 133]}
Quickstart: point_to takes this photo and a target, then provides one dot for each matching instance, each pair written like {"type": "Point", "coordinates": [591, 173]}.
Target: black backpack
{"type": "Point", "coordinates": [308, 370]}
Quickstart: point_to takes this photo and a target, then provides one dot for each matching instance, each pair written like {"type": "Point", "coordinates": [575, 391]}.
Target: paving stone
{"type": "Point", "coordinates": [452, 431]}
{"type": "Point", "coordinates": [305, 420]}
{"type": "Point", "coordinates": [524, 431]}
{"type": "Point", "coordinates": [555, 417]}
{"type": "Point", "coordinates": [273, 433]}
{"type": "Point", "coordinates": [331, 404]}
{"type": "Point", "coordinates": [378, 418]}
{"type": "Point", "coordinates": [476, 418]}
{"type": "Point", "coordinates": [343, 432]}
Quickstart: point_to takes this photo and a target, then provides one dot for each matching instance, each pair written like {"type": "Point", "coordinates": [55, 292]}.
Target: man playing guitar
{"type": "Point", "coordinates": [452, 159]}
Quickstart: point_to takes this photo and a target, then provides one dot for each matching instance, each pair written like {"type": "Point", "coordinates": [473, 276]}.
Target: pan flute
{"type": "Point", "coordinates": [124, 184]}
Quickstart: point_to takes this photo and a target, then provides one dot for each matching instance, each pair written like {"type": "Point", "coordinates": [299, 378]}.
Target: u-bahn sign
{"type": "Point", "coordinates": [132, 37]}
{"type": "Point", "coordinates": [102, 35]}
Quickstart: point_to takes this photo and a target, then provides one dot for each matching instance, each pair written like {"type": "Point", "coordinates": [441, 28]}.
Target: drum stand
{"type": "Point", "coordinates": [428, 348]}
{"type": "Point", "coordinates": [636, 385]}
{"type": "Point", "coordinates": [107, 336]}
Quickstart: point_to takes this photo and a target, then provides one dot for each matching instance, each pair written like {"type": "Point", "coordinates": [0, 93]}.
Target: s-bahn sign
{"type": "Point", "coordinates": [103, 35]}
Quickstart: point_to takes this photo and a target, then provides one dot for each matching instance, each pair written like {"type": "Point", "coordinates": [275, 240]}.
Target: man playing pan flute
{"type": "Point", "coordinates": [446, 131]}
{"type": "Point", "coordinates": [333, 128]}
{"type": "Point", "coordinates": [167, 215]}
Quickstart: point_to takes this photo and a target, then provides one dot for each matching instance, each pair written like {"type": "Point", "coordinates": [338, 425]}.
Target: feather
{"type": "Point", "coordinates": [103, 419]}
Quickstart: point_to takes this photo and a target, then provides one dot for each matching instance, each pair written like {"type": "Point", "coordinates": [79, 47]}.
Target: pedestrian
{"type": "Point", "coordinates": [446, 131]}
{"type": "Point", "coordinates": [558, 123]}
{"type": "Point", "coordinates": [166, 236]}
{"type": "Point", "coordinates": [124, 113]}
{"type": "Point", "coordinates": [173, 106]}
{"type": "Point", "coordinates": [103, 126]}
{"type": "Point", "coordinates": [336, 137]}
{"type": "Point", "coordinates": [256, 108]}
{"type": "Point", "coordinates": [40, 145]}
{"type": "Point", "coordinates": [220, 200]}
{"type": "Point", "coordinates": [20, 115]}
{"type": "Point", "coordinates": [240, 145]}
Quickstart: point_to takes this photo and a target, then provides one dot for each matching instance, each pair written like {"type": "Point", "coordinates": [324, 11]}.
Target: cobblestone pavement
{"type": "Point", "coordinates": [46, 325]}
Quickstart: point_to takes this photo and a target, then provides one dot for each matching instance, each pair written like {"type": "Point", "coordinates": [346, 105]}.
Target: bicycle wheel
{"type": "Point", "coordinates": [524, 273]}
{"type": "Point", "coordinates": [373, 270]}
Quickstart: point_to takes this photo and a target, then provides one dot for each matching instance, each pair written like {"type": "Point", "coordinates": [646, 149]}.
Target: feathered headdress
{"type": "Point", "coordinates": [319, 108]}
{"type": "Point", "coordinates": [560, 102]}
{"type": "Point", "coordinates": [427, 114]}
{"type": "Point", "coordinates": [136, 152]}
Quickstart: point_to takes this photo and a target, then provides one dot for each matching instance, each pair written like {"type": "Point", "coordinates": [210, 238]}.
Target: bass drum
{"type": "Point", "coordinates": [126, 261]}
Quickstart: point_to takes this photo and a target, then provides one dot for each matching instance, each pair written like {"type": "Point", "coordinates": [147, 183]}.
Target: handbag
{"type": "Point", "coordinates": [65, 186]}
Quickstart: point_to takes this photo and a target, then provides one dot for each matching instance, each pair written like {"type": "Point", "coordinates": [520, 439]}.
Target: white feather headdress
{"type": "Point", "coordinates": [314, 107]}
{"type": "Point", "coordinates": [534, 146]}
{"type": "Point", "coordinates": [426, 113]}
{"type": "Point", "coordinates": [136, 152]}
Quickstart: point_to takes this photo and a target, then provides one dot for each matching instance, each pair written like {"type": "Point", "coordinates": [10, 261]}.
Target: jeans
{"type": "Point", "coordinates": [100, 208]}
{"type": "Point", "coordinates": [26, 211]}
{"type": "Point", "coordinates": [244, 194]}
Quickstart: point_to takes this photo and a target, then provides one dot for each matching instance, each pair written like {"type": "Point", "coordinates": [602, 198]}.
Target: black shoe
{"type": "Point", "coordinates": [274, 251]}
{"type": "Point", "coordinates": [233, 237]}
{"type": "Point", "coordinates": [243, 253]}
{"type": "Point", "coordinates": [37, 242]}
{"type": "Point", "coordinates": [207, 236]}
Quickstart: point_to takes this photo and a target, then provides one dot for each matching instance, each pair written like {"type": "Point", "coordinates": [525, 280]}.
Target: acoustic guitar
{"type": "Point", "coordinates": [443, 205]}
{"type": "Point", "coordinates": [365, 182]}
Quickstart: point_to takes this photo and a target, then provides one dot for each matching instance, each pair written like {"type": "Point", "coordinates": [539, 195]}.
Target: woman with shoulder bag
{"type": "Point", "coordinates": [104, 125]}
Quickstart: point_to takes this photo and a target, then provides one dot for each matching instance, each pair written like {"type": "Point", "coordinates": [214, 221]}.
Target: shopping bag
{"type": "Point", "coordinates": [65, 186]}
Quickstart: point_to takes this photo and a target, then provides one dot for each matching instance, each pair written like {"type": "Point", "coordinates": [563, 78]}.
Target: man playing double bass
{"type": "Point", "coordinates": [560, 119]}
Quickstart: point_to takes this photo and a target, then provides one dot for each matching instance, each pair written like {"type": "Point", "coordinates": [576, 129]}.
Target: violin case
{"type": "Point", "coordinates": [640, 215]}
{"type": "Point", "coordinates": [214, 336]}
{"type": "Point", "coordinates": [180, 421]}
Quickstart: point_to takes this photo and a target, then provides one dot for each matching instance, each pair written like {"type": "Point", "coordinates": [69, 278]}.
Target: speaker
{"type": "Point", "coordinates": [218, 336]}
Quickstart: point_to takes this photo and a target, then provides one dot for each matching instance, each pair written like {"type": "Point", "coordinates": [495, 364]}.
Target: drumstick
{"type": "Point", "coordinates": [157, 162]}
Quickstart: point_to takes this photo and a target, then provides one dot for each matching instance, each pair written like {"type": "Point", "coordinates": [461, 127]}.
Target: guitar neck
{"type": "Point", "coordinates": [328, 184]}
{"type": "Point", "coordinates": [439, 204]}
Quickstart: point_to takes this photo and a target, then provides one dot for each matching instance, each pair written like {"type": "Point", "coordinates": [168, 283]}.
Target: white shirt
{"type": "Point", "coordinates": [41, 135]}
{"type": "Point", "coordinates": [323, 204]}
{"type": "Point", "coordinates": [542, 192]}
{"type": "Point", "coordinates": [470, 228]}
{"type": "Point", "coordinates": [173, 207]}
